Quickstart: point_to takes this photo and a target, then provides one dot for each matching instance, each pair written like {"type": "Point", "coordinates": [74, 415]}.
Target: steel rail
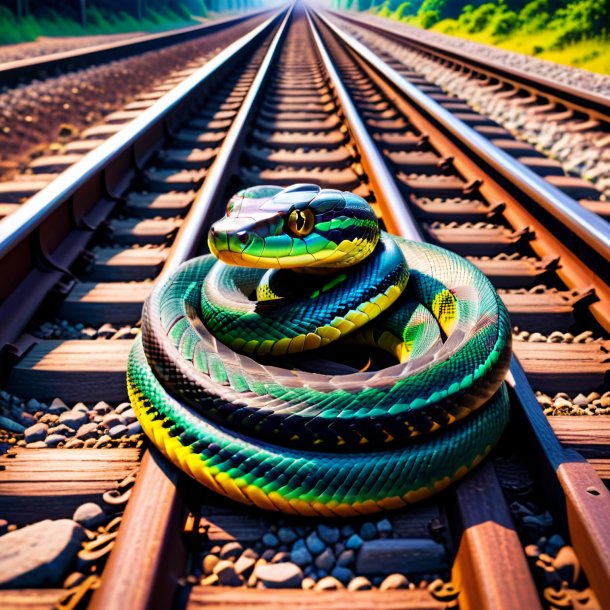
{"type": "Point", "coordinates": [471, 564]}
{"type": "Point", "coordinates": [399, 220]}
{"type": "Point", "coordinates": [148, 533]}
{"type": "Point", "coordinates": [34, 253]}
{"type": "Point", "coordinates": [580, 499]}
{"type": "Point", "coordinates": [591, 228]}
{"type": "Point", "coordinates": [585, 101]}
{"type": "Point", "coordinates": [20, 70]}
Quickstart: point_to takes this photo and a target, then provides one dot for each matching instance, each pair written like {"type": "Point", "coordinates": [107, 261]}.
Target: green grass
{"type": "Point", "coordinates": [13, 31]}
{"type": "Point", "coordinates": [592, 54]}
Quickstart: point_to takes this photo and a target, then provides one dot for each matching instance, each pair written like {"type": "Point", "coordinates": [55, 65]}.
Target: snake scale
{"type": "Point", "coordinates": [221, 377]}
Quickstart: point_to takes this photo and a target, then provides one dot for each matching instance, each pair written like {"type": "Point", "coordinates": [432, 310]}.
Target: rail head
{"type": "Point", "coordinates": [152, 585]}
{"type": "Point", "coordinates": [22, 223]}
{"type": "Point", "coordinates": [588, 101]}
{"type": "Point", "coordinates": [401, 221]}
{"type": "Point", "coordinates": [588, 226]}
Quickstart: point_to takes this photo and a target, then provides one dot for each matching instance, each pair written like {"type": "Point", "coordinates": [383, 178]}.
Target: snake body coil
{"type": "Point", "coordinates": [305, 269]}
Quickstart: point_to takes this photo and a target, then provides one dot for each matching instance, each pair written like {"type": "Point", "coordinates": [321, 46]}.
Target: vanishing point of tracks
{"type": "Point", "coordinates": [299, 100]}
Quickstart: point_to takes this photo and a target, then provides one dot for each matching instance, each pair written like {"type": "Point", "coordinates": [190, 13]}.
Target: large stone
{"type": "Point", "coordinates": [73, 419]}
{"type": "Point", "coordinates": [410, 555]}
{"type": "Point", "coordinates": [279, 575]}
{"type": "Point", "coordinates": [39, 555]}
{"type": "Point", "coordinates": [35, 433]}
{"type": "Point", "coordinates": [90, 515]}
{"type": "Point", "coordinates": [227, 576]}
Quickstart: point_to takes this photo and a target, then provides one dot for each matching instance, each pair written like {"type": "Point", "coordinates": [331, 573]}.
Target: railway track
{"type": "Point", "coordinates": [297, 100]}
{"type": "Point", "coordinates": [43, 66]}
{"type": "Point", "coordinates": [559, 131]}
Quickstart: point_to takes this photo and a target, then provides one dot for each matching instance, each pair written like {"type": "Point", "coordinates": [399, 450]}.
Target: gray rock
{"type": "Point", "coordinates": [11, 426]}
{"type": "Point", "coordinates": [81, 407]}
{"type": "Point", "coordinates": [354, 542]}
{"type": "Point", "coordinates": [111, 419]}
{"type": "Point", "coordinates": [61, 429]}
{"type": "Point", "coordinates": [128, 416]}
{"type": "Point", "coordinates": [39, 555]}
{"type": "Point", "coordinates": [384, 526]}
{"type": "Point", "coordinates": [27, 419]}
{"type": "Point", "coordinates": [54, 439]}
{"type": "Point", "coordinates": [37, 432]}
{"type": "Point", "coordinates": [328, 583]}
{"type": "Point", "coordinates": [102, 408]}
{"type": "Point", "coordinates": [89, 515]}
{"type": "Point", "coordinates": [360, 583]}
{"type": "Point", "coordinates": [286, 535]}
{"type": "Point", "coordinates": [124, 406]}
{"type": "Point", "coordinates": [227, 576]}
{"type": "Point", "coordinates": [270, 539]}
{"type": "Point", "coordinates": [244, 565]}
{"type": "Point", "coordinates": [73, 419]}
{"type": "Point", "coordinates": [231, 550]}
{"type": "Point", "coordinates": [328, 534]}
{"type": "Point", "coordinates": [343, 574]}
{"type": "Point", "coordinates": [314, 544]}
{"type": "Point", "coordinates": [57, 407]}
{"type": "Point", "coordinates": [346, 558]}
{"type": "Point", "coordinates": [117, 431]}
{"type": "Point", "coordinates": [37, 445]}
{"type": "Point", "coordinates": [347, 531]}
{"type": "Point", "coordinates": [279, 575]}
{"type": "Point", "coordinates": [368, 531]}
{"type": "Point", "coordinates": [87, 431]}
{"type": "Point", "coordinates": [134, 428]}
{"type": "Point", "coordinates": [300, 555]}
{"type": "Point", "coordinates": [394, 581]}
{"type": "Point", "coordinates": [33, 405]}
{"type": "Point", "coordinates": [325, 560]}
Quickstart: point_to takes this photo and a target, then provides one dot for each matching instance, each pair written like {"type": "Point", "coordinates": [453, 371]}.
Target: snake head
{"type": "Point", "coordinates": [302, 226]}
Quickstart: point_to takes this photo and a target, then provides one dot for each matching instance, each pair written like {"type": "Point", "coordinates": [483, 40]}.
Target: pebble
{"type": "Point", "coordinates": [37, 432]}
{"type": "Point", "coordinates": [354, 542]}
{"type": "Point", "coordinates": [128, 416]}
{"type": "Point", "coordinates": [37, 445]}
{"type": "Point", "coordinates": [54, 439]}
{"type": "Point", "coordinates": [270, 540]}
{"type": "Point", "coordinates": [280, 557]}
{"type": "Point", "coordinates": [87, 431]}
{"type": "Point", "coordinates": [209, 563]}
{"type": "Point", "coordinates": [325, 560]}
{"type": "Point", "coordinates": [89, 515]}
{"type": "Point", "coordinates": [286, 535]}
{"type": "Point", "coordinates": [343, 574]}
{"type": "Point", "coordinates": [124, 406]}
{"type": "Point", "coordinates": [314, 544]}
{"type": "Point", "coordinates": [385, 527]}
{"type": "Point", "coordinates": [111, 419]}
{"type": "Point", "coordinates": [300, 554]}
{"type": "Point", "coordinates": [308, 583]}
{"type": "Point", "coordinates": [360, 583]}
{"type": "Point", "coordinates": [328, 534]}
{"type": "Point", "coordinates": [567, 564]}
{"type": "Point", "coordinates": [279, 575]}
{"type": "Point", "coordinates": [244, 565]}
{"type": "Point", "coordinates": [73, 419]}
{"type": "Point", "coordinates": [40, 554]}
{"type": "Point", "coordinates": [134, 428]}
{"type": "Point", "coordinates": [227, 576]}
{"type": "Point", "coordinates": [368, 531]}
{"type": "Point", "coordinates": [347, 531]}
{"type": "Point", "coordinates": [11, 426]}
{"type": "Point", "coordinates": [328, 583]}
{"type": "Point", "coordinates": [231, 550]}
{"type": "Point", "coordinates": [394, 581]}
{"type": "Point", "coordinates": [57, 407]}
{"type": "Point", "coordinates": [117, 431]}
{"type": "Point", "coordinates": [346, 558]}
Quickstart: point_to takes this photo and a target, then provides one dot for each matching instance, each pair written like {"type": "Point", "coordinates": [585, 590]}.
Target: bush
{"type": "Point", "coordinates": [429, 18]}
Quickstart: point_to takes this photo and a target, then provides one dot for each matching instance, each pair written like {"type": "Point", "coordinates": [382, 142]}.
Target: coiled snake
{"type": "Point", "coordinates": [302, 269]}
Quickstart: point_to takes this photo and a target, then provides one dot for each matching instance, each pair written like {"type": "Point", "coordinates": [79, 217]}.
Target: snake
{"type": "Point", "coordinates": [314, 364]}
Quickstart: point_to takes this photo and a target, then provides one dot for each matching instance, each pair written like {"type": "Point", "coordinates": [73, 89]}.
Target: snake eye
{"type": "Point", "coordinates": [301, 222]}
